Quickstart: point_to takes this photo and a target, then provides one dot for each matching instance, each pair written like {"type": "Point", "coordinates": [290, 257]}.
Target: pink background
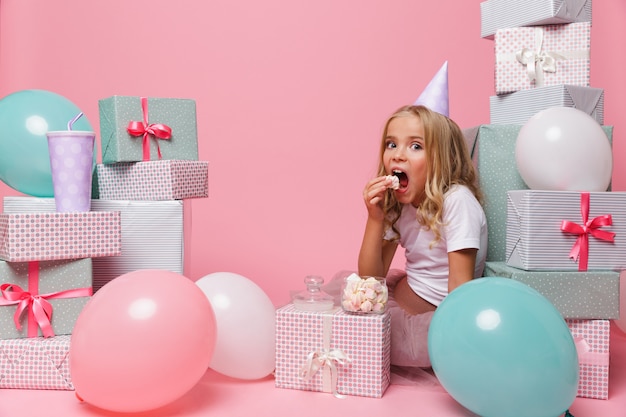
{"type": "Point", "coordinates": [291, 98]}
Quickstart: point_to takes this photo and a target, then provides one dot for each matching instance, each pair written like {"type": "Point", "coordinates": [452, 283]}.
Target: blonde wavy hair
{"type": "Point", "coordinates": [448, 163]}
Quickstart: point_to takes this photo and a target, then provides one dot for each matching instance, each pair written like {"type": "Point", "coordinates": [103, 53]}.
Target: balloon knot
{"type": "Point", "coordinates": [568, 414]}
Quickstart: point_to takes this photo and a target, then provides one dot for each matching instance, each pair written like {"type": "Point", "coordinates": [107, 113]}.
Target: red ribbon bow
{"type": "Point", "coordinates": [581, 246]}
{"type": "Point", "coordinates": [158, 130]}
{"type": "Point", "coordinates": [38, 307]}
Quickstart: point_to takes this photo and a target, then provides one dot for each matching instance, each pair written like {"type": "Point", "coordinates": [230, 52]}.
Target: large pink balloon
{"type": "Point", "coordinates": [564, 149]}
{"type": "Point", "coordinates": [246, 326]}
{"type": "Point", "coordinates": [143, 340]}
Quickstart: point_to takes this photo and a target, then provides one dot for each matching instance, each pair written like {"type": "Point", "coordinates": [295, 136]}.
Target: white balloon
{"type": "Point", "coordinates": [564, 149]}
{"type": "Point", "coordinates": [246, 320]}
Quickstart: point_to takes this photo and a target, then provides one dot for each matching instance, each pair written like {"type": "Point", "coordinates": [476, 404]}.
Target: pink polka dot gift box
{"type": "Point", "coordinates": [153, 180]}
{"type": "Point", "coordinates": [592, 344]}
{"type": "Point", "coordinates": [28, 237]}
{"type": "Point", "coordinates": [335, 352]}
{"type": "Point", "coordinates": [529, 57]}
{"type": "Point", "coordinates": [38, 363]}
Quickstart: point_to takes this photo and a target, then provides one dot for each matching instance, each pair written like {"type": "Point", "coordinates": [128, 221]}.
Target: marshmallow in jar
{"type": "Point", "coordinates": [364, 294]}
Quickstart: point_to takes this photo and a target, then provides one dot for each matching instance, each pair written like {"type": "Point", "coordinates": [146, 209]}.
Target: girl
{"type": "Point", "coordinates": [435, 215]}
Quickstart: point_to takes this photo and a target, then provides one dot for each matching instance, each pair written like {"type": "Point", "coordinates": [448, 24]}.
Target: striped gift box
{"type": "Point", "coordinates": [152, 234]}
{"type": "Point", "coordinates": [529, 57]}
{"type": "Point", "coordinates": [153, 180]}
{"type": "Point", "coordinates": [500, 14]}
{"type": "Point", "coordinates": [36, 363]}
{"type": "Point", "coordinates": [518, 107]}
{"type": "Point", "coordinates": [354, 347]}
{"type": "Point", "coordinates": [538, 239]}
{"type": "Point", "coordinates": [592, 344]}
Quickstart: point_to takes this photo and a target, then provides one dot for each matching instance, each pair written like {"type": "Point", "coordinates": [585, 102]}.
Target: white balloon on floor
{"type": "Point", "coordinates": [246, 319]}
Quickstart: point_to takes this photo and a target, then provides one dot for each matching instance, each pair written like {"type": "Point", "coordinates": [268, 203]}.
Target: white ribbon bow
{"type": "Point", "coordinates": [538, 61]}
{"type": "Point", "coordinates": [320, 359]}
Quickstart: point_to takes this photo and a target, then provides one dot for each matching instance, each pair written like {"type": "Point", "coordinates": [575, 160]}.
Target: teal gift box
{"type": "Point", "coordinates": [493, 152]}
{"type": "Point", "coordinates": [134, 129]}
{"type": "Point", "coordinates": [66, 285]}
{"type": "Point", "coordinates": [577, 295]}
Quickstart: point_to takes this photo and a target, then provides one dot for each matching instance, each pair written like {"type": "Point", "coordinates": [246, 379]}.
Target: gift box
{"type": "Point", "coordinates": [153, 235]}
{"type": "Point", "coordinates": [493, 152]}
{"type": "Point", "coordinates": [37, 363]}
{"type": "Point", "coordinates": [336, 352]}
{"type": "Point", "coordinates": [518, 107]}
{"type": "Point", "coordinates": [529, 57]}
{"type": "Point", "coordinates": [143, 129]}
{"type": "Point", "coordinates": [566, 230]}
{"type": "Point", "coordinates": [153, 180]}
{"type": "Point", "coordinates": [577, 295]}
{"type": "Point", "coordinates": [42, 298]}
{"type": "Point", "coordinates": [592, 344]}
{"type": "Point", "coordinates": [26, 237]}
{"type": "Point", "coordinates": [500, 14]}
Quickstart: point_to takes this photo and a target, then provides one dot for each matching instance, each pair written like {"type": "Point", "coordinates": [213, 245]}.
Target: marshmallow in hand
{"type": "Point", "coordinates": [395, 182]}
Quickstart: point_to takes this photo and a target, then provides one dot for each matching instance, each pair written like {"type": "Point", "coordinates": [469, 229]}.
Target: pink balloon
{"type": "Point", "coordinates": [143, 340]}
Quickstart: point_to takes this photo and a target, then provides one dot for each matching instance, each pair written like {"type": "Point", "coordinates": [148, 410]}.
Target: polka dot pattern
{"type": "Point", "coordinates": [577, 295]}
{"type": "Point", "coordinates": [572, 41]}
{"type": "Point", "coordinates": [36, 363]}
{"type": "Point", "coordinates": [593, 378]}
{"type": "Point", "coordinates": [365, 339]}
{"type": "Point", "coordinates": [28, 237]}
{"type": "Point", "coordinates": [71, 163]}
{"type": "Point", "coordinates": [54, 276]}
{"type": "Point", "coordinates": [154, 180]}
{"type": "Point", "coordinates": [119, 146]}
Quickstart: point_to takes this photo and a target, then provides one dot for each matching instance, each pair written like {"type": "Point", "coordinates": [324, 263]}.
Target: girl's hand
{"type": "Point", "coordinates": [373, 195]}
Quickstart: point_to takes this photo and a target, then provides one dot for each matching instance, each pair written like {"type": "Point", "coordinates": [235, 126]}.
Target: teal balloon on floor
{"type": "Point", "coordinates": [25, 117]}
{"type": "Point", "coordinates": [501, 349]}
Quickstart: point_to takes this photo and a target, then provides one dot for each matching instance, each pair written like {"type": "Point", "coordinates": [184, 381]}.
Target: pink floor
{"type": "Point", "coordinates": [218, 396]}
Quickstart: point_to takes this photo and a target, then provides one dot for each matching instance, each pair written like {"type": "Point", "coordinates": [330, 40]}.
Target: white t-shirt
{"type": "Point", "coordinates": [464, 226]}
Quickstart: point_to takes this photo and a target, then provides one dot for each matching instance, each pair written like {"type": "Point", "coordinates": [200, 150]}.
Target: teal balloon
{"type": "Point", "coordinates": [501, 349]}
{"type": "Point", "coordinates": [25, 117]}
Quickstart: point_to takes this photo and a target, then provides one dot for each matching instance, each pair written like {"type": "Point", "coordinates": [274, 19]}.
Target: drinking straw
{"type": "Point", "coordinates": [71, 122]}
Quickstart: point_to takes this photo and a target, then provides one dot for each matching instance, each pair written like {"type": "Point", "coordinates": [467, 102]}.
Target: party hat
{"type": "Point", "coordinates": [435, 95]}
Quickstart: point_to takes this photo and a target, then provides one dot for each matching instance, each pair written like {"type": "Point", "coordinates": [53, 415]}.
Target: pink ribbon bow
{"type": "Point", "coordinates": [581, 246]}
{"type": "Point", "coordinates": [586, 356]}
{"type": "Point", "coordinates": [158, 130]}
{"type": "Point", "coordinates": [37, 305]}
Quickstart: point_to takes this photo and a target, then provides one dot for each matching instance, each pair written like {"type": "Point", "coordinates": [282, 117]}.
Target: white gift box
{"type": "Point", "coordinates": [518, 107]}
{"type": "Point", "coordinates": [529, 57]}
{"type": "Point", "coordinates": [153, 235]}
{"type": "Point", "coordinates": [499, 14]}
{"type": "Point", "coordinates": [354, 351]}
{"type": "Point", "coordinates": [592, 344]}
{"type": "Point", "coordinates": [544, 230]}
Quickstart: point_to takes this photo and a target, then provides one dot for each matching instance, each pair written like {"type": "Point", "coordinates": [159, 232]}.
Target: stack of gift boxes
{"type": "Point", "coordinates": [542, 60]}
{"type": "Point", "coordinates": [55, 261]}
